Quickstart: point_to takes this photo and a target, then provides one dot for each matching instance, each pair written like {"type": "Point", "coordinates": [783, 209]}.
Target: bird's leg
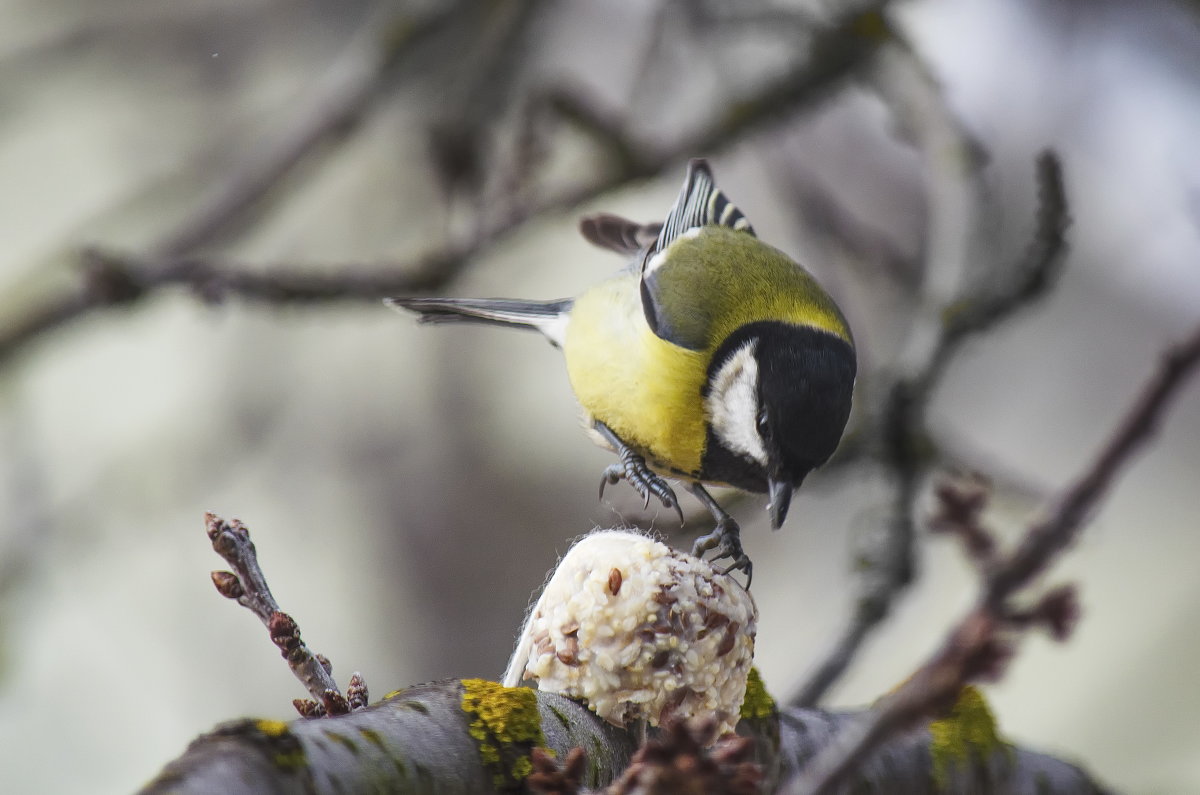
{"type": "Point", "coordinates": [633, 468]}
{"type": "Point", "coordinates": [726, 537]}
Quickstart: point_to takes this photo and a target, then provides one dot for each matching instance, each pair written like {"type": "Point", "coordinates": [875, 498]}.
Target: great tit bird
{"type": "Point", "coordinates": [712, 358]}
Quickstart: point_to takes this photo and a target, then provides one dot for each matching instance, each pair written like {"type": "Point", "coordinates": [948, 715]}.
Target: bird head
{"type": "Point", "coordinates": [778, 399]}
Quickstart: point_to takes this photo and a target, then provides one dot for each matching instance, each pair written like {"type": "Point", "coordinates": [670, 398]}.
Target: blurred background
{"type": "Point", "coordinates": [408, 488]}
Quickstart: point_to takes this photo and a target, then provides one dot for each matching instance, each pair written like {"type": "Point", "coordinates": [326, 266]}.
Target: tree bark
{"type": "Point", "coordinates": [471, 736]}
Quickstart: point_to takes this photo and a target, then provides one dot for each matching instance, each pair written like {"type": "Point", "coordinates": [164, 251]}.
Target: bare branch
{"type": "Point", "coordinates": [603, 125]}
{"type": "Point", "coordinates": [836, 53]}
{"type": "Point", "coordinates": [247, 585]}
{"type": "Point", "coordinates": [1048, 537]}
{"type": "Point", "coordinates": [478, 93]}
{"type": "Point", "coordinates": [113, 280]}
{"type": "Point", "coordinates": [866, 250]}
{"type": "Point", "coordinates": [906, 446]}
{"type": "Point", "coordinates": [1034, 275]}
{"type": "Point", "coordinates": [960, 510]}
{"type": "Point", "coordinates": [344, 95]}
{"type": "Point", "coordinates": [978, 646]}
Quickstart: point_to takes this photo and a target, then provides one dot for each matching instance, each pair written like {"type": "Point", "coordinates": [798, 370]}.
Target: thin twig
{"type": "Point", "coordinates": [902, 426]}
{"type": "Point", "coordinates": [367, 63]}
{"type": "Point", "coordinates": [866, 251]}
{"type": "Point", "coordinates": [975, 647]}
{"type": "Point", "coordinates": [113, 280]}
{"type": "Point", "coordinates": [343, 95]}
{"type": "Point", "coordinates": [1034, 275]}
{"type": "Point", "coordinates": [247, 585]}
{"type": "Point", "coordinates": [603, 125]}
{"type": "Point", "coordinates": [885, 560]}
{"type": "Point", "coordinates": [1073, 508]}
{"type": "Point", "coordinates": [837, 53]}
{"type": "Point", "coordinates": [476, 96]}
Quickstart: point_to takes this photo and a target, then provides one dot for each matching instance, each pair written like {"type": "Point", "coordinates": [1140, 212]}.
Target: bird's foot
{"type": "Point", "coordinates": [726, 539]}
{"type": "Point", "coordinates": [633, 469]}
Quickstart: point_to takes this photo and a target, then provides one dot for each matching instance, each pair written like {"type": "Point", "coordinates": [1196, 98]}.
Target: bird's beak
{"type": "Point", "coordinates": [780, 493]}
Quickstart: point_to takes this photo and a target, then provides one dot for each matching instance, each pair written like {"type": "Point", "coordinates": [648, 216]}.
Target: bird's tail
{"type": "Point", "coordinates": [548, 317]}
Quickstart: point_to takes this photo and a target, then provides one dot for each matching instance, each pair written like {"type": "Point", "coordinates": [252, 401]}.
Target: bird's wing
{"type": "Point", "coordinates": [699, 203]}
{"type": "Point", "coordinates": [669, 287]}
{"type": "Point", "coordinates": [618, 234]}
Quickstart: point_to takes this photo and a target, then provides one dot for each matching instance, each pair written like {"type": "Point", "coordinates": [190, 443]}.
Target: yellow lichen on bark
{"type": "Point", "coordinates": [967, 734]}
{"type": "Point", "coordinates": [758, 702]}
{"type": "Point", "coordinates": [271, 728]}
{"type": "Point", "coordinates": [506, 724]}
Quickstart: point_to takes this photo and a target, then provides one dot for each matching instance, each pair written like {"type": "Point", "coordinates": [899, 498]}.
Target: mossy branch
{"type": "Point", "coordinates": [472, 736]}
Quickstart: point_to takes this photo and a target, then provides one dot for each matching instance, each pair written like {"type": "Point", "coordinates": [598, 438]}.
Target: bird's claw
{"type": "Point", "coordinates": [633, 469]}
{"type": "Point", "coordinates": [610, 477]}
{"type": "Point", "coordinates": [726, 539]}
{"type": "Point", "coordinates": [741, 563]}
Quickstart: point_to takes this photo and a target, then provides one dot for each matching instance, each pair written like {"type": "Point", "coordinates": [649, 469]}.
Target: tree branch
{"type": "Point", "coordinates": [471, 736]}
{"type": "Point", "coordinates": [343, 96]}
{"type": "Point", "coordinates": [247, 585]}
{"type": "Point", "coordinates": [1048, 537]}
{"type": "Point", "coordinates": [979, 645]}
{"type": "Point", "coordinates": [112, 280]}
{"type": "Point", "coordinates": [903, 425]}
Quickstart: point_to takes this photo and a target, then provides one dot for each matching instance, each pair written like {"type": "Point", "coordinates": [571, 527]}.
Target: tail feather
{"type": "Point", "coordinates": [618, 234]}
{"type": "Point", "coordinates": [548, 317]}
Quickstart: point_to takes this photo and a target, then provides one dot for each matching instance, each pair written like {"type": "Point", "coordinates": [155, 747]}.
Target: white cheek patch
{"type": "Point", "coordinates": [732, 404]}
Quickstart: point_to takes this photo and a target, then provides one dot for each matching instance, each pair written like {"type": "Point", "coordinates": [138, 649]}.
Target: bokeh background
{"type": "Point", "coordinates": [408, 488]}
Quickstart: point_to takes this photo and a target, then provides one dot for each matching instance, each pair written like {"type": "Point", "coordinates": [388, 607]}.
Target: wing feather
{"type": "Point", "coordinates": [700, 203]}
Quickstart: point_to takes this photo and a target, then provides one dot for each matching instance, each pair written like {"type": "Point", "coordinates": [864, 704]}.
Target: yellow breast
{"type": "Point", "coordinates": [645, 389]}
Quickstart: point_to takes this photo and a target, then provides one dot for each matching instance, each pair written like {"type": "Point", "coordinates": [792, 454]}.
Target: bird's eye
{"type": "Point", "coordinates": [761, 422]}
